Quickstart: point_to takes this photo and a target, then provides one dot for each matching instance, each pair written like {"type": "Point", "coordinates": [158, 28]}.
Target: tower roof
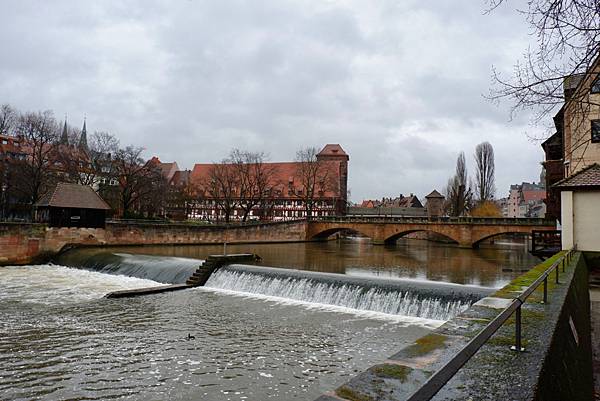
{"type": "Point", "coordinates": [332, 149]}
{"type": "Point", "coordinates": [83, 138]}
{"type": "Point", "coordinates": [434, 194]}
{"type": "Point", "coordinates": [64, 137]}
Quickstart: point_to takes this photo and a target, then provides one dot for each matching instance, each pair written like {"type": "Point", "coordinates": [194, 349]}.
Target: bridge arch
{"type": "Point", "coordinates": [330, 231]}
{"type": "Point", "coordinates": [478, 242]}
{"type": "Point", "coordinates": [396, 236]}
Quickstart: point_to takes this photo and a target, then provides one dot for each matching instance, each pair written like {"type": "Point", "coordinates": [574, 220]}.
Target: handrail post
{"type": "Point", "coordinates": [517, 347]}
{"type": "Point", "coordinates": [556, 270]}
{"type": "Point", "coordinates": [563, 264]}
{"type": "Point", "coordinates": [545, 301]}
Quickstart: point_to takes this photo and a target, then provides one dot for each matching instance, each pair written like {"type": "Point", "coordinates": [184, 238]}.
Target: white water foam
{"type": "Point", "coordinates": [365, 314]}
{"type": "Point", "coordinates": [353, 297]}
{"type": "Point", "coordinates": [53, 284]}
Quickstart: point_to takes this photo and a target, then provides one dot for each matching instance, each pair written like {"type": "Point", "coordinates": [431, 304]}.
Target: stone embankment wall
{"type": "Point", "coordinates": [22, 243]}
{"type": "Point", "coordinates": [556, 364]}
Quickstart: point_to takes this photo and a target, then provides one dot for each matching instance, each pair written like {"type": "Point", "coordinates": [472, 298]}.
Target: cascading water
{"type": "Point", "coordinates": [164, 269]}
{"type": "Point", "coordinates": [424, 300]}
{"type": "Point", "coordinates": [421, 299]}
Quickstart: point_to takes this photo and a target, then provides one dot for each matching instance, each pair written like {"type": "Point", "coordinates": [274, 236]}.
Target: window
{"type": "Point", "coordinates": [595, 131]}
{"type": "Point", "coordinates": [596, 86]}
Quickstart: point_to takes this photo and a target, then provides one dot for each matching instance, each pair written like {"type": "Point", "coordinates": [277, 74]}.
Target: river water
{"type": "Point", "coordinates": [251, 334]}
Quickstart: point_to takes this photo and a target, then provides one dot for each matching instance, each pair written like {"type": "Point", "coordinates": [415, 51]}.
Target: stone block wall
{"type": "Point", "coordinates": [23, 243]}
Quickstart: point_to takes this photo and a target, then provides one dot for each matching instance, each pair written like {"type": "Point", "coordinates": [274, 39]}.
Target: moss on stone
{"type": "Point", "coordinates": [426, 344]}
{"type": "Point", "coordinates": [399, 372]}
{"type": "Point", "coordinates": [503, 341]}
{"type": "Point", "coordinates": [352, 395]}
{"type": "Point", "coordinates": [520, 283]}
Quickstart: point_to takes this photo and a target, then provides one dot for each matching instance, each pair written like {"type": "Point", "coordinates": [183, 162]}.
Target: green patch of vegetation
{"type": "Point", "coordinates": [399, 372]}
{"type": "Point", "coordinates": [503, 341]}
{"type": "Point", "coordinates": [520, 283]}
{"type": "Point", "coordinates": [427, 344]}
{"type": "Point", "coordinates": [349, 394]}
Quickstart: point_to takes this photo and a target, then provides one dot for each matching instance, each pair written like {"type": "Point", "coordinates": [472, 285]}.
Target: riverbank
{"type": "Point", "coordinates": [557, 363]}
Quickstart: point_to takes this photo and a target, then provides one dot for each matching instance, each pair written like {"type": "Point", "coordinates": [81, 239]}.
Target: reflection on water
{"type": "Point", "coordinates": [490, 266]}
{"type": "Point", "coordinates": [59, 339]}
{"type": "Point", "coordinates": [80, 346]}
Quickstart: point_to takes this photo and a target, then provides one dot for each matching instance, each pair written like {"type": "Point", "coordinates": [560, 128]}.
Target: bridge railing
{"type": "Point", "coordinates": [439, 379]}
{"type": "Point", "coordinates": [435, 220]}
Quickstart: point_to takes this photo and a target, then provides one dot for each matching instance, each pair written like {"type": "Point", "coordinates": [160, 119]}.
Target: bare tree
{"type": "Point", "coordinates": [458, 192]}
{"type": "Point", "coordinates": [314, 178]}
{"type": "Point", "coordinates": [568, 42]}
{"type": "Point", "coordinates": [256, 180]}
{"type": "Point", "coordinates": [135, 178]}
{"type": "Point", "coordinates": [8, 118]}
{"type": "Point", "coordinates": [222, 185]}
{"type": "Point", "coordinates": [35, 174]}
{"type": "Point", "coordinates": [485, 186]}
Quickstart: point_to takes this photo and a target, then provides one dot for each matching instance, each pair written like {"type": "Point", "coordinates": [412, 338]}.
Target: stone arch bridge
{"type": "Point", "coordinates": [468, 232]}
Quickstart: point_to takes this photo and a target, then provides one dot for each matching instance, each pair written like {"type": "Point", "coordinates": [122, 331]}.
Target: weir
{"type": "Point", "coordinates": [180, 273]}
{"type": "Point", "coordinates": [424, 299]}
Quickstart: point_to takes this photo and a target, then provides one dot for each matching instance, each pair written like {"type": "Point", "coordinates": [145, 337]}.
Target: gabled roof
{"type": "Point", "coordinates": [332, 149]}
{"type": "Point", "coordinates": [587, 178]}
{"type": "Point", "coordinates": [434, 194]}
{"type": "Point", "coordinates": [73, 196]}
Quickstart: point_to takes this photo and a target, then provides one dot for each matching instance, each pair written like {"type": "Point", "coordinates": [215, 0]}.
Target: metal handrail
{"type": "Point", "coordinates": [439, 379]}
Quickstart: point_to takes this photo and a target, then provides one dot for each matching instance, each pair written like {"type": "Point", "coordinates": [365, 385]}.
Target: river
{"type": "Point", "coordinates": [246, 336]}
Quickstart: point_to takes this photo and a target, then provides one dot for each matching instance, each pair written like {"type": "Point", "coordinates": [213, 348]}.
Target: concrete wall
{"type": "Point", "coordinates": [557, 364]}
{"type": "Point", "coordinates": [35, 243]}
{"type": "Point", "coordinates": [581, 220]}
{"type": "Point", "coordinates": [566, 219]}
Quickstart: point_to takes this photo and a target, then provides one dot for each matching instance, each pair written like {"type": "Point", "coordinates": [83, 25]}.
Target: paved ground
{"type": "Point", "coordinates": [595, 315]}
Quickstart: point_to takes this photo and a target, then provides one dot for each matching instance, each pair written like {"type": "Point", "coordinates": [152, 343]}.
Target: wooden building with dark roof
{"type": "Point", "coordinates": [72, 205]}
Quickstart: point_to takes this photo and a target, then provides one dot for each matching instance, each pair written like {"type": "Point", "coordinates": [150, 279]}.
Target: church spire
{"type": "Point", "coordinates": [64, 138]}
{"type": "Point", "coordinates": [83, 138]}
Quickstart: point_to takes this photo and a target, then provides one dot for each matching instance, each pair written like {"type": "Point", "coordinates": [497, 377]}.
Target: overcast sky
{"type": "Point", "coordinates": [398, 83]}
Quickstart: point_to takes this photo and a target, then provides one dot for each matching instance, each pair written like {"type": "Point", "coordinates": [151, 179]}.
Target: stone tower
{"type": "Point", "coordinates": [435, 204]}
{"type": "Point", "coordinates": [334, 152]}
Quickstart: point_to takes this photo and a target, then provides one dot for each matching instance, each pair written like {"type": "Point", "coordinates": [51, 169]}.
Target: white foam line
{"type": "Point", "coordinates": [400, 319]}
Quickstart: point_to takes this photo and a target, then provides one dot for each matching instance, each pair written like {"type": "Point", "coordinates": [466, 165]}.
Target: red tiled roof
{"type": "Point", "coordinates": [369, 203]}
{"type": "Point", "coordinates": [181, 177]}
{"type": "Point", "coordinates": [332, 149]}
{"type": "Point", "coordinates": [73, 196]}
{"type": "Point", "coordinates": [285, 175]}
{"type": "Point", "coordinates": [589, 177]}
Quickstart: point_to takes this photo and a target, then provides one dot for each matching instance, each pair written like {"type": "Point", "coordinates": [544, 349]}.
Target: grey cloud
{"type": "Point", "coordinates": [398, 84]}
